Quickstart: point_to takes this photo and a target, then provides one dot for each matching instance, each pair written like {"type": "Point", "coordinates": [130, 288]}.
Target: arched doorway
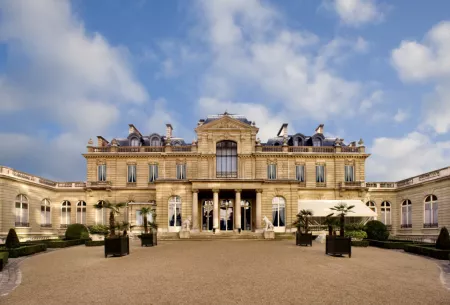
{"type": "Point", "coordinates": [207, 215]}
{"type": "Point", "coordinates": [226, 215]}
{"type": "Point", "coordinates": [246, 215]}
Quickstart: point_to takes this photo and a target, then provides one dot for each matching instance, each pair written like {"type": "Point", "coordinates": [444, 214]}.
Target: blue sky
{"type": "Point", "coordinates": [376, 70]}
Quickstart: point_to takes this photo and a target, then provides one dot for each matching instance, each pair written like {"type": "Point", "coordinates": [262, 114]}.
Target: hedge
{"type": "Point", "coordinates": [3, 259]}
{"type": "Point", "coordinates": [428, 250]}
{"type": "Point", "coordinates": [389, 244]}
{"type": "Point", "coordinates": [360, 243]}
{"type": "Point", "coordinates": [24, 250]}
{"type": "Point", "coordinates": [65, 243]}
{"type": "Point", "coordinates": [94, 243]}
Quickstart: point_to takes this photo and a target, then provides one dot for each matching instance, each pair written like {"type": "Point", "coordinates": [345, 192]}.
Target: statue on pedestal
{"type": "Point", "coordinates": [268, 224]}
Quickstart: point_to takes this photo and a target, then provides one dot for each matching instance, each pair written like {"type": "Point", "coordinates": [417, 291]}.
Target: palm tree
{"type": "Point", "coordinates": [114, 210]}
{"type": "Point", "coordinates": [342, 209]}
{"type": "Point", "coordinates": [302, 220]}
{"type": "Point", "coordinates": [144, 212]}
{"type": "Point", "coordinates": [330, 222]}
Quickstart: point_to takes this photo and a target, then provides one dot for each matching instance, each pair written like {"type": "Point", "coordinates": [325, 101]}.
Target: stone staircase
{"type": "Point", "coordinates": [209, 236]}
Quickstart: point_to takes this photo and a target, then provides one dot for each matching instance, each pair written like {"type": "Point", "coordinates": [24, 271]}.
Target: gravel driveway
{"type": "Point", "coordinates": [228, 272]}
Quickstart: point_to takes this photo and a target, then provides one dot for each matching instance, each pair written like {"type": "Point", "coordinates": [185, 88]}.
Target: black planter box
{"type": "Point", "coordinates": [117, 246]}
{"type": "Point", "coordinates": [149, 239]}
{"type": "Point", "coordinates": [338, 245]}
{"type": "Point", "coordinates": [303, 239]}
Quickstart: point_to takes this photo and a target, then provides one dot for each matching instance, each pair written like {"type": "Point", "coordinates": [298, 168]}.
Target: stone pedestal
{"type": "Point", "coordinates": [185, 234]}
{"type": "Point", "coordinates": [269, 235]}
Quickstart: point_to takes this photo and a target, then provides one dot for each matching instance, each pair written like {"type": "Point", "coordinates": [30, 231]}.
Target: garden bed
{"type": "Point", "coordinates": [428, 250]}
{"type": "Point", "coordinates": [94, 243]}
{"type": "Point", "coordinates": [65, 243]}
{"type": "Point", "coordinates": [3, 259]}
{"type": "Point", "coordinates": [389, 244]}
{"type": "Point", "coordinates": [360, 243]}
{"type": "Point", "coordinates": [24, 250]}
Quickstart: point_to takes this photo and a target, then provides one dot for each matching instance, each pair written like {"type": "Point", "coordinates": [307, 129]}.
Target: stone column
{"type": "Point", "coordinates": [194, 210]}
{"type": "Point", "coordinates": [237, 210]}
{"type": "Point", "coordinates": [216, 209]}
{"type": "Point", "coordinates": [258, 208]}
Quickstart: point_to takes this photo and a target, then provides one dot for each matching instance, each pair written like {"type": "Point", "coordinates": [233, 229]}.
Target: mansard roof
{"type": "Point", "coordinates": [238, 117]}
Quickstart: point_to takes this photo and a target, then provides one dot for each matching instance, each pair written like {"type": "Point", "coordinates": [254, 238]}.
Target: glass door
{"type": "Point", "coordinates": [246, 215]}
{"type": "Point", "coordinates": [207, 215]}
{"type": "Point", "coordinates": [226, 215]}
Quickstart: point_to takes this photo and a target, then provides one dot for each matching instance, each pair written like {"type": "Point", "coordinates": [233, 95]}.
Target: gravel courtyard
{"type": "Point", "coordinates": [228, 272]}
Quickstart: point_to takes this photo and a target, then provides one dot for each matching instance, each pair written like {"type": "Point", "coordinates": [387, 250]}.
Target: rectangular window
{"type": "Point", "coordinates": [320, 173]}
{"type": "Point", "coordinates": [101, 169]}
{"type": "Point", "coordinates": [349, 173]}
{"type": "Point", "coordinates": [45, 215]}
{"type": "Point", "coordinates": [152, 172]}
{"type": "Point", "coordinates": [181, 171]}
{"type": "Point", "coordinates": [300, 173]}
{"type": "Point", "coordinates": [272, 171]}
{"type": "Point", "coordinates": [131, 173]}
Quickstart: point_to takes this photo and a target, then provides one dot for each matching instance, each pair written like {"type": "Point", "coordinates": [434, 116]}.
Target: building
{"type": "Point", "coordinates": [226, 179]}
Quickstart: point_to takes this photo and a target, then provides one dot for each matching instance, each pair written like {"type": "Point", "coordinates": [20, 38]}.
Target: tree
{"type": "Point", "coordinates": [443, 241]}
{"type": "Point", "coordinates": [153, 225]}
{"type": "Point", "coordinates": [342, 209]}
{"type": "Point", "coordinates": [144, 212]}
{"type": "Point", "coordinates": [331, 222]}
{"type": "Point", "coordinates": [114, 210]}
{"type": "Point", "coordinates": [12, 241]}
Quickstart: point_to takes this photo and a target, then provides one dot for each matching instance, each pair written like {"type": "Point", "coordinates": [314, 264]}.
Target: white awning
{"type": "Point", "coordinates": [321, 208]}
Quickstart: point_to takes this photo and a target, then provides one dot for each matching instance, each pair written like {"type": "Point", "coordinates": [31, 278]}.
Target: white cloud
{"type": "Point", "coordinates": [429, 61]}
{"type": "Point", "coordinates": [356, 12]}
{"type": "Point", "coordinates": [73, 79]}
{"type": "Point", "coordinates": [252, 48]}
{"type": "Point", "coordinates": [401, 116]}
{"type": "Point", "coordinates": [395, 159]}
{"type": "Point", "coordinates": [369, 102]}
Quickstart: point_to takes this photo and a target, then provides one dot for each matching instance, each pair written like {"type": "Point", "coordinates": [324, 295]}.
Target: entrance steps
{"type": "Point", "coordinates": [208, 236]}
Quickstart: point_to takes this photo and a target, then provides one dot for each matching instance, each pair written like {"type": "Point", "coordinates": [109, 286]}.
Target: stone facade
{"type": "Point", "coordinates": [189, 182]}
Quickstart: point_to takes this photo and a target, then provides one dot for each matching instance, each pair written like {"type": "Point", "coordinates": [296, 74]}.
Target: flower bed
{"type": "Point", "coordinates": [360, 243]}
{"type": "Point", "coordinates": [94, 243]}
{"type": "Point", "coordinates": [3, 259]}
{"type": "Point", "coordinates": [24, 250]}
{"type": "Point", "coordinates": [428, 250]}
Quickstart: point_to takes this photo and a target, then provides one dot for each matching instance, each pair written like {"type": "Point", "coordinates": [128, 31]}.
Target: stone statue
{"type": "Point", "coordinates": [268, 224]}
{"type": "Point", "coordinates": [186, 226]}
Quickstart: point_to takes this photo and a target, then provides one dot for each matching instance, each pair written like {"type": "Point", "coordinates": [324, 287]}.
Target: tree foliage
{"type": "Point", "coordinates": [443, 241]}
{"type": "Point", "coordinates": [12, 240]}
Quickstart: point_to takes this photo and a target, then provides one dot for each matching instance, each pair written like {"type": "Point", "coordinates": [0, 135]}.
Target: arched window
{"type": "Point", "coordinates": [278, 212]}
{"type": "Point", "coordinates": [176, 143]}
{"type": "Point", "coordinates": [22, 210]}
{"type": "Point", "coordinates": [431, 212]}
{"type": "Point", "coordinates": [46, 217]}
{"type": "Point", "coordinates": [317, 141]}
{"type": "Point", "coordinates": [298, 141]}
{"type": "Point", "coordinates": [81, 212]}
{"type": "Point", "coordinates": [226, 159]}
{"type": "Point", "coordinates": [406, 214]}
{"type": "Point", "coordinates": [65, 213]}
{"type": "Point", "coordinates": [155, 141]}
{"type": "Point", "coordinates": [371, 205]}
{"type": "Point", "coordinates": [386, 213]}
{"type": "Point", "coordinates": [135, 142]}
{"type": "Point", "coordinates": [100, 214]}
{"type": "Point", "coordinates": [174, 213]}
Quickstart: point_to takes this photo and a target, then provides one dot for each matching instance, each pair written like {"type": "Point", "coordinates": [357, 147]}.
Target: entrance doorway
{"type": "Point", "coordinates": [226, 215]}
{"type": "Point", "coordinates": [207, 215]}
{"type": "Point", "coordinates": [246, 215]}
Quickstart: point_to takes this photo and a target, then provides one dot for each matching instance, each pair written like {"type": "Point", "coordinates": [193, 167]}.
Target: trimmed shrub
{"type": "Point", "coordinates": [77, 231]}
{"type": "Point", "coordinates": [443, 241]}
{"type": "Point", "coordinates": [65, 243]}
{"type": "Point", "coordinates": [25, 250]}
{"type": "Point", "coordinates": [99, 229]}
{"type": "Point", "coordinates": [428, 250]}
{"type": "Point", "coordinates": [92, 243]}
{"type": "Point", "coordinates": [389, 244]}
{"type": "Point", "coordinates": [376, 230]}
{"type": "Point", "coordinates": [3, 259]}
{"type": "Point", "coordinates": [360, 243]}
{"type": "Point", "coordinates": [12, 241]}
{"type": "Point", "coordinates": [356, 234]}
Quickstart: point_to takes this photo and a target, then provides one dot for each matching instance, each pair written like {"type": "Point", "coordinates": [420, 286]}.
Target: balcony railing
{"type": "Point", "coordinates": [99, 184]}
{"type": "Point", "coordinates": [352, 184]}
{"type": "Point", "coordinates": [186, 148]}
{"type": "Point", "coordinates": [101, 149]}
{"type": "Point", "coordinates": [154, 149]}
{"type": "Point", "coordinates": [272, 148]}
{"type": "Point", "coordinates": [128, 149]}
{"type": "Point", "coordinates": [406, 226]}
{"type": "Point", "coordinates": [350, 149]}
{"type": "Point", "coordinates": [22, 224]}
{"type": "Point", "coordinates": [298, 149]}
{"type": "Point", "coordinates": [226, 175]}
{"type": "Point", "coordinates": [430, 225]}
{"type": "Point", "coordinates": [321, 184]}
{"type": "Point", "coordinates": [46, 225]}
{"type": "Point", "coordinates": [63, 226]}
{"type": "Point", "coordinates": [323, 149]}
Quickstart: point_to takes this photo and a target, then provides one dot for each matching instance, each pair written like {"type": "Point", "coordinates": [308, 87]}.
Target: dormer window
{"type": "Point", "coordinates": [134, 142]}
{"type": "Point", "coordinates": [154, 141]}
{"type": "Point", "coordinates": [317, 141]}
{"type": "Point", "coordinates": [298, 141]}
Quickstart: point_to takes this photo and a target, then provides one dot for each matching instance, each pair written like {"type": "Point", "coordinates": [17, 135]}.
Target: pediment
{"type": "Point", "coordinates": [225, 123]}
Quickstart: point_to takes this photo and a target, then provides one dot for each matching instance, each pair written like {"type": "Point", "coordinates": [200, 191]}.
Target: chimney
{"type": "Point", "coordinates": [101, 141]}
{"type": "Point", "coordinates": [319, 129]}
{"type": "Point", "coordinates": [283, 132]}
{"type": "Point", "coordinates": [132, 129]}
{"type": "Point", "coordinates": [169, 130]}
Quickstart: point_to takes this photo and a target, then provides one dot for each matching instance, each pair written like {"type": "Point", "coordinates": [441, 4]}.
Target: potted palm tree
{"type": "Point", "coordinates": [340, 245]}
{"type": "Point", "coordinates": [303, 238]}
{"type": "Point", "coordinates": [146, 238]}
{"type": "Point", "coordinates": [114, 244]}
